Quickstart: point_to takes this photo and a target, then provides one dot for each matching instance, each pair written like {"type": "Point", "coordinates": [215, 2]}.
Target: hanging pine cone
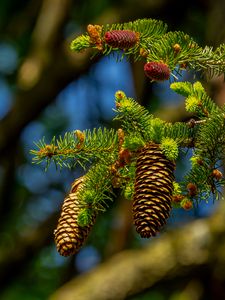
{"type": "Point", "coordinates": [69, 236]}
{"type": "Point", "coordinates": [122, 39]}
{"type": "Point", "coordinates": [157, 71]}
{"type": "Point", "coordinates": [153, 190]}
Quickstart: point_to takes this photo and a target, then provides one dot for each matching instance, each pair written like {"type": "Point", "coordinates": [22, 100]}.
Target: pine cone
{"type": "Point", "coordinates": [69, 236]}
{"type": "Point", "coordinates": [153, 190]}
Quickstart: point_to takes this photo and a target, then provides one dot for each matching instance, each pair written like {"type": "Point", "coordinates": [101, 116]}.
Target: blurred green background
{"type": "Point", "coordinates": [46, 90]}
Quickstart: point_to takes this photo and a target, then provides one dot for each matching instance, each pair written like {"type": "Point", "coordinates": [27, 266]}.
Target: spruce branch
{"type": "Point", "coordinates": [97, 189]}
{"type": "Point", "coordinates": [209, 140]}
{"type": "Point", "coordinates": [69, 150]}
{"type": "Point", "coordinates": [134, 117]}
{"type": "Point", "coordinates": [96, 37]}
{"type": "Point", "coordinates": [180, 132]}
{"type": "Point", "coordinates": [148, 40]}
{"type": "Point", "coordinates": [174, 48]}
{"type": "Point", "coordinates": [140, 157]}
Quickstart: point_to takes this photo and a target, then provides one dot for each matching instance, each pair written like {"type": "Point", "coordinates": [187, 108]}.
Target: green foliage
{"type": "Point", "coordinates": [133, 142]}
{"type": "Point", "coordinates": [84, 217]}
{"type": "Point", "coordinates": [182, 88]}
{"type": "Point", "coordinates": [164, 49]}
{"type": "Point", "coordinates": [197, 100]}
{"type": "Point", "coordinates": [180, 132]}
{"type": "Point", "coordinates": [169, 148]}
{"type": "Point", "coordinates": [209, 140]}
{"type": "Point", "coordinates": [176, 188]}
{"type": "Point", "coordinates": [80, 43]}
{"type": "Point", "coordinates": [133, 117]}
{"type": "Point", "coordinates": [97, 188]}
{"type": "Point", "coordinates": [209, 146]}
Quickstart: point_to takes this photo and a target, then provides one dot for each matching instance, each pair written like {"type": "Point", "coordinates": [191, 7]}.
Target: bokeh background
{"type": "Point", "coordinates": [45, 90]}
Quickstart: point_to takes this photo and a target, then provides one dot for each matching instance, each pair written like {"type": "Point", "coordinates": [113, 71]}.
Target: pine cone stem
{"type": "Point", "coordinates": [153, 190]}
{"type": "Point", "coordinates": [69, 236]}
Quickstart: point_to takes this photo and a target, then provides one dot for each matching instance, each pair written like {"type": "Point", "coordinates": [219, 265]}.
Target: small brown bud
{"type": "Point", "coordinates": [118, 105]}
{"type": "Point", "coordinates": [116, 182]}
{"type": "Point", "coordinates": [176, 48]}
{"type": "Point", "coordinates": [81, 138]}
{"type": "Point", "coordinates": [192, 189]}
{"type": "Point", "coordinates": [183, 65]}
{"type": "Point", "coordinates": [187, 204]}
{"type": "Point", "coordinates": [191, 123]}
{"type": "Point", "coordinates": [121, 135]}
{"type": "Point", "coordinates": [143, 52]}
{"type": "Point", "coordinates": [177, 198]}
{"type": "Point", "coordinates": [80, 135]}
{"type": "Point", "coordinates": [200, 161]}
{"type": "Point", "coordinates": [114, 168]}
{"type": "Point", "coordinates": [124, 157]}
{"type": "Point", "coordinates": [217, 174]}
{"type": "Point", "coordinates": [48, 151]}
{"type": "Point", "coordinates": [119, 95]}
{"type": "Point", "coordinates": [191, 45]}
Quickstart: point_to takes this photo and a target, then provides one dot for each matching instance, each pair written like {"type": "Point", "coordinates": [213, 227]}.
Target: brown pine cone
{"type": "Point", "coordinates": [69, 236]}
{"type": "Point", "coordinates": [153, 190]}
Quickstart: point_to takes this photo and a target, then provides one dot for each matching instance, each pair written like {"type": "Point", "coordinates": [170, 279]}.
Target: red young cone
{"type": "Point", "coordinates": [217, 174]}
{"type": "Point", "coordinates": [157, 71]}
{"type": "Point", "coordinates": [122, 39]}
